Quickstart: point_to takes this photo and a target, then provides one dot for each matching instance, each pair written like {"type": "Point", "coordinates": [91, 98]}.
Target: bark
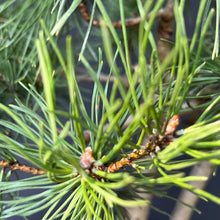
{"type": "Point", "coordinates": [182, 212]}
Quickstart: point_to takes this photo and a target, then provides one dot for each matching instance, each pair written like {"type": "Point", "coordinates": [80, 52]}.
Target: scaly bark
{"type": "Point", "coordinates": [21, 167]}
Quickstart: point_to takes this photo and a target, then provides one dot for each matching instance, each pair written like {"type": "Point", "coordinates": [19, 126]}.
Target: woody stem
{"type": "Point", "coordinates": [21, 167]}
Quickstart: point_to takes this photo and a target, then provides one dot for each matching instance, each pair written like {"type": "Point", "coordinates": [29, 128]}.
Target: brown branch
{"type": "Point", "coordinates": [104, 78]}
{"type": "Point", "coordinates": [130, 22]}
{"type": "Point", "coordinates": [21, 167]}
{"type": "Point", "coordinates": [182, 212]}
{"type": "Point", "coordinates": [165, 30]}
{"type": "Point", "coordinates": [154, 144]}
{"type": "Point", "coordinates": [136, 154]}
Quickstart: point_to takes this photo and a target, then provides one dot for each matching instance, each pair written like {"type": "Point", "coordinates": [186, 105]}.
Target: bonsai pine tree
{"type": "Point", "coordinates": [93, 101]}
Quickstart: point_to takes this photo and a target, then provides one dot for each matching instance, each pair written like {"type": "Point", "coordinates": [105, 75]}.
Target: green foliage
{"type": "Point", "coordinates": [52, 139]}
{"type": "Point", "coordinates": [19, 27]}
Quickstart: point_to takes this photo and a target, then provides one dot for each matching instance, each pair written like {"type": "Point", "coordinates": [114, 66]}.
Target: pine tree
{"type": "Point", "coordinates": [93, 99]}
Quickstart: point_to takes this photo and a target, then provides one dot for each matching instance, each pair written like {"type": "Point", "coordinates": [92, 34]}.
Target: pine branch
{"type": "Point", "coordinates": [104, 78]}
{"type": "Point", "coordinates": [155, 143]}
{"type": "Point", "coordinates": [130, 22]}
{"type": "Point", "coordinates": [164, 13]}
{"type": "Point", "coordinates": [21, 167]}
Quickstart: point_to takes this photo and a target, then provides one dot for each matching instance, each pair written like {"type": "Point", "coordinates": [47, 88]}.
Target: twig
{"type": "Point", "coordinates": [154, 144]}
{"type": "Point", "coordinates": [104, 78]}
{"type": "Point", "coordinates": [130, 22]}
{"type": "Point", "coordinates": [182, 212]}
{"type": "Point", "coordinates": [21, 167]}
{"type": "Point", "coordinates": [165, 30]}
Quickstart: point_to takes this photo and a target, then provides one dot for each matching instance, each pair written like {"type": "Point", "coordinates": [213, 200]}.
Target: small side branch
{"type": "Point", "coordinates": [164, 13]}
{"type": "Point", "coordinates": [130, 22]}
{"type": "Point", "coordinates": [104, 78]}
{"type": "Point", "coordinates": [21, 167]}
